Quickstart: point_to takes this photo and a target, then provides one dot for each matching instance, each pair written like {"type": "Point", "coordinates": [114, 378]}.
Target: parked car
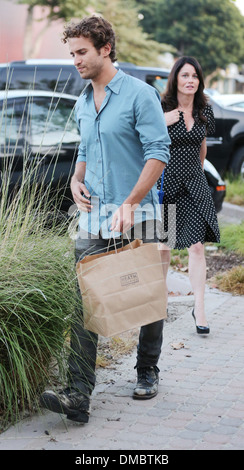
{"type": "Point", "coordinates": [154, 76]}
{"type": "Point", "coordinates": [47, 75]}
{"type": "Point", "coordinates": [211, 91]}
{"type": "Point", "coordinates": [226, 146]}
{"type": "Point", "coordinates": [38, 130]}
{"type": "Point", "coordinates": [216, 185]}
{"type": "Point", "coordinates": [231, 100]}
{"type": "Point", "coordinates": [40, 126]}
{"type": "Point", "coordinates": [62, 76]}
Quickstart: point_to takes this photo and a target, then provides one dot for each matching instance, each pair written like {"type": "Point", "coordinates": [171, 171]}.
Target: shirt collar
{"type": "Point", "coordinates": [114, 85]}
{"type": "Point", "coordinates": [116, 82]}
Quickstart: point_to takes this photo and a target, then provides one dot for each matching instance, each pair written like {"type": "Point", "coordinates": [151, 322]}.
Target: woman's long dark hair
{"type": "Point", "coordinates": [169, 99]}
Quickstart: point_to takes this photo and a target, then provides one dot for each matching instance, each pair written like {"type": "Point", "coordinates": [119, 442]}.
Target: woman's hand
{"type": "Point", "coordinates": [171, 117]}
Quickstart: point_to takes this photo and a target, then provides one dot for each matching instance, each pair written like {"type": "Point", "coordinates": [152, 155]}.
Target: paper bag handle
{"type": "Point", "coordinates": [122, 239]}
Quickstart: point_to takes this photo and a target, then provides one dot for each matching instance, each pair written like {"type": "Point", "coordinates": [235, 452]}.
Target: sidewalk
{"type": "Point", "coordinates": [231, 213]}
{"type": "Point", "coordinates": [200, 404]}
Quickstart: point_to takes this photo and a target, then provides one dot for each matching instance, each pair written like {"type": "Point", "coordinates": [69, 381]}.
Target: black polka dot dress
{"type": "Point", "coordinates": [186, 191]}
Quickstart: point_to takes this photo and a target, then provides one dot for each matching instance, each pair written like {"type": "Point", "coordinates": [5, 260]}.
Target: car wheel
{"type": "Point", "coordinates": [237, 164]}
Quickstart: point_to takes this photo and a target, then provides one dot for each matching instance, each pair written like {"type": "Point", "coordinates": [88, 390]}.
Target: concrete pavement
{"type": "Point", "coordinates": [231, 214]}
{"type": "Point", "coordinates": [200, 404]}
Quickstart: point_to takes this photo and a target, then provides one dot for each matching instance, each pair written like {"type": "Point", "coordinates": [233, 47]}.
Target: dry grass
{"type": "Point", "coordinates": [112, 349]}
{"type": "Point", "coordinates": [232, 281]}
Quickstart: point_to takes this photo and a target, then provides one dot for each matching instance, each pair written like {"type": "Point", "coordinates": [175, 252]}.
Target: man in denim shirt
{"type": "Point", "coordinates": [124, 148]}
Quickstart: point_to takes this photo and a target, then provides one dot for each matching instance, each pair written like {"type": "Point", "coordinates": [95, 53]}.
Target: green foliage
{"type": "Point", "coordinates": [232, 238]}
{"type": "Point", "coordinates": [235, 190]}
{"type": "Point", "coordinates": [213, 32]}
{"type": "Point", "coordinates": [133, 45]}
{"type": "Point", "coordinates": [36, 297]}
{"type": "Point", "coordinates": [37, 289]}
{"type": "Point", "coordinates": [61, 9]}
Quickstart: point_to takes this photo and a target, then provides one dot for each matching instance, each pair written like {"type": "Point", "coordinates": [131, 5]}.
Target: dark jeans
{"type": "Point", "coordinates": [82, 360]}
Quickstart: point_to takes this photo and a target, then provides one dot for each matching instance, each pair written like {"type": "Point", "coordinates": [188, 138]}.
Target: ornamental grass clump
{"type": "Point", "coordinates": [36, 300]}
{"type": "Point", "coordinates": [232, 281]}
{"type": "Point", "coordinates": [37, 292]}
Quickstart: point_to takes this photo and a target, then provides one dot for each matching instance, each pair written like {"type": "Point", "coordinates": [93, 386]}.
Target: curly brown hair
{"type": "Point", "coordinates": [95, 28]}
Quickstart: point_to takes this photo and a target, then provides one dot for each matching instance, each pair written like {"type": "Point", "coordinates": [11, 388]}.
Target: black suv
{"type": "Point", "coordinates": [47, 75]}
{"type": "Point", "coordinates": [62, 76]}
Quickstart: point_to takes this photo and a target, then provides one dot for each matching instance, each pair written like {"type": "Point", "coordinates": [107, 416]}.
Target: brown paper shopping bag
{"type": "Point", "coordinates": [122, 289]}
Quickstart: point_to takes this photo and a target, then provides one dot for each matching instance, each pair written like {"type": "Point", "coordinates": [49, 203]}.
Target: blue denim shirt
{"type": "Point", "coordinates": [115, 143]}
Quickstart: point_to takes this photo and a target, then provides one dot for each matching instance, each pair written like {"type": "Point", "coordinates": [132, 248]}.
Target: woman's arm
{"type": "Point", "coordinates": [203, 151]}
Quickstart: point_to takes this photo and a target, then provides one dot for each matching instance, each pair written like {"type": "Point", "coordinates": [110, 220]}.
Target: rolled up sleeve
{"type": "Point", "coordinates": [151, 125]}
{"type": "Point", "coordinates": [81, 157]}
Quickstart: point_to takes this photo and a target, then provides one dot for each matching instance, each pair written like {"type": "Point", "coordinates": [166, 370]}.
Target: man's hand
{"type": "Point", "coordinates": [123, 218]}
{"type": "Point", "coordinates": [81, 195]}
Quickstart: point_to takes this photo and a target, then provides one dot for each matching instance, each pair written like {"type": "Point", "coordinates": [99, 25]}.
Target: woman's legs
{"type": "Point", "coordinates": [197, 276]}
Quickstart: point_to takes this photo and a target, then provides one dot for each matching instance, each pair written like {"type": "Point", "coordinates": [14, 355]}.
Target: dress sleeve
{"type": "Point", "coordinates": [210, 127]}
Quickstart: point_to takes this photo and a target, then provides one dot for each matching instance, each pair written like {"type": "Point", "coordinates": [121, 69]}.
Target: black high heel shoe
{"type": "Point", "coordinates": [201, 330]}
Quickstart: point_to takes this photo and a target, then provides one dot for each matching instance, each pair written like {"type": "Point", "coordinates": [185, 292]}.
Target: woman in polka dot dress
{"type": "Point", "coordinates": [189, 119]}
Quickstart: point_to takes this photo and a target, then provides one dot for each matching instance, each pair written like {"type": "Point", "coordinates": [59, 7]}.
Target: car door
{"type": "Point", "coordinates": [216, 144]}
{"type": "Point", "coordinates": [12, 144]}
{"type": "Point", "coordinates": [54, 140]}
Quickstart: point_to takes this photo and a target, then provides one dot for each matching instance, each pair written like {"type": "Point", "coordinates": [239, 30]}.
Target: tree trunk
{"type": "Point", "coordinates": [31, 45]}
{"type": "Point", "coordinates": [27, 44]}
{"type": "Point", "coordinates": [38, 41]}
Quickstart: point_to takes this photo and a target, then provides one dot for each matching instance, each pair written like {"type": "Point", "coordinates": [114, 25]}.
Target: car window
{"type": "Point", "coordinates": [11, 122]}
{"type": "Point", "coordinates": [52, 122]}
{"type": "Point", "coordinates": [237, 105]}
{"type": "Point", "coordinates": [157, 82]}
{"type": "Point", "coordinates": [42, 78]}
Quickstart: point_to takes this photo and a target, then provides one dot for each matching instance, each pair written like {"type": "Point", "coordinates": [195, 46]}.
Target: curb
{"type": "Point", "coordinates": [232, 211]}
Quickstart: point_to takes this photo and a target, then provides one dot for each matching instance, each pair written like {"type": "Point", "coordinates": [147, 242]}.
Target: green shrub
{"type": "Point", "coordinates": [235, 190]}
{"type": "Point", "coordinates": [232, 238]}
{"type": "Point", "coordinates": [36, 300]}
{"type": "Point", "coordinates": [37, 292]}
